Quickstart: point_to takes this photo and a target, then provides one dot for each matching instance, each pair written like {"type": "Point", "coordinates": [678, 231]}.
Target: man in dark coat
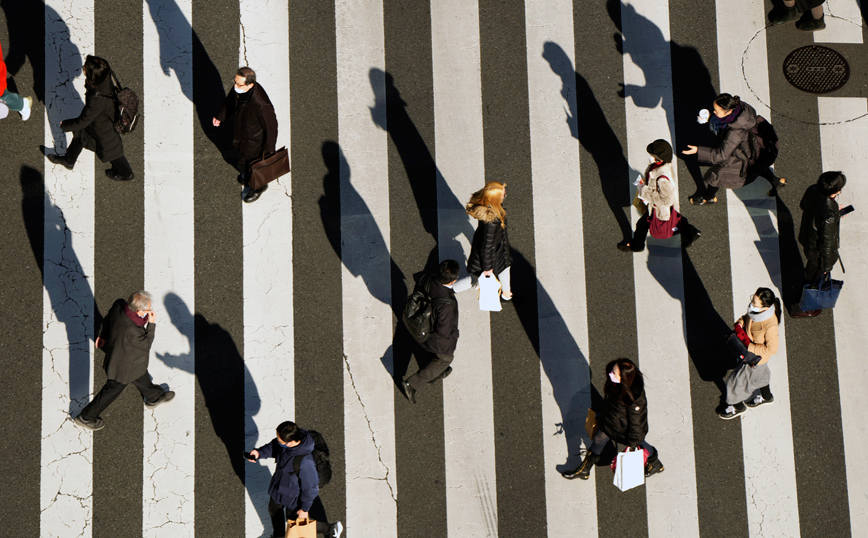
{"type": "Point", "coordinates": [441, 344]}
{"type": "Point", "coordinates": [126, 335]}
{"type": "Point", "coordinates": [255, 131]}
{"type": "Point", "coordinates": [290, 494]}
{"type": "Point", "coordinates": [819, 232]}
{"type": "Point", "coordinates": [94, 128]}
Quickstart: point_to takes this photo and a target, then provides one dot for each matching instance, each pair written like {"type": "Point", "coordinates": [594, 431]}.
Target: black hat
{"type": "Point", "coordinates": [661, 149]}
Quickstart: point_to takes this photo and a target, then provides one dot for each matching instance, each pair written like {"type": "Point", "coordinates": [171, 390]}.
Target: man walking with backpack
{"type": "Point", "coordinates": [443, 339]}
{"type": "Point", "coordinates": [295, 483]}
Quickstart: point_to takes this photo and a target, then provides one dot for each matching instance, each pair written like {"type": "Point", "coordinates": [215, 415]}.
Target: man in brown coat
{"type": "Point", "coordinates": [126, 335]}
{"type": "Point", "coordinates": [255, 131]}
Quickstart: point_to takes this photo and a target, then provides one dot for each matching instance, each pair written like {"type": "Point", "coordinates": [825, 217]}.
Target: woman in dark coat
{"type": "Point", "coordinates": [623, 419]}
{"type": "Point", "coordinates": [740, 157]}
{"type": "Point", "coordinates": [489, 253]}
{"type": "Point", "coordinates": [94, 128]}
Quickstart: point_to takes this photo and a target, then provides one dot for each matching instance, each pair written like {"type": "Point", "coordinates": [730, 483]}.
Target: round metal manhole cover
{"type": "Point", "coordinates": [816, 69]}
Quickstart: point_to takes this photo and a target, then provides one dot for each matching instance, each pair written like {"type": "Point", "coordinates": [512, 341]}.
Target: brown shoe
{"type": "Point", "coordinates": [806, 313]}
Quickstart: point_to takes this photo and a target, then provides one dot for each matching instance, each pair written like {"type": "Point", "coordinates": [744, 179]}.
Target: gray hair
{"type": "Point", "coordinates": [140, 300]}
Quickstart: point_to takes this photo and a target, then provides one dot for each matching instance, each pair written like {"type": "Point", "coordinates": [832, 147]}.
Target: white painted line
{"type": "Point", "coordinates": [66, 485]}
{"type": "Point", "coordinates": [269, 380]}
{"type": "Point", "coordinates": [659, 279]}
{"type": "Point", "coordinates": [843, 23]}
{"type": "Point", "coordinates": [169, 444]}
{"type": "Point", "coordinates": [468, 408]}
{"type": "Point", "coordinates": [560, 263]}
{"type": "Point", "coordinates": [767, 434]}
{"type": "Point", "coordinates": [836, 142]}
{"type": "Point", "coordinates": [369, 393]}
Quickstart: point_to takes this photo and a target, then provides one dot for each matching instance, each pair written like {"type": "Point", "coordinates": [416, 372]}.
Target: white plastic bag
{"type": "Point", "coordinates": [630, 469]}
{"type": "Point", "coordinates": [489, 293]}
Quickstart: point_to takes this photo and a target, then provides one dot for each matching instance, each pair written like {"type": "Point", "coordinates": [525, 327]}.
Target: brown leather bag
{"type": "Point", "coordinates": [268, 168]}
{"type": "Point", "coordinates": [300, 528]}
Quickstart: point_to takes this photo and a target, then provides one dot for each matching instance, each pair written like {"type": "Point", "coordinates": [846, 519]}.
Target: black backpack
{"type": "Point", "coordinates": [419, 311]}
{"type": "Point", "coordinates": [320, 457]}
{"type": "Point", "coordinates": [126, 106]}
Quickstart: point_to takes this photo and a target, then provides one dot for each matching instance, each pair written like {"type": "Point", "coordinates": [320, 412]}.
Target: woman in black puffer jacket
{"type": "Point", "coordinates": [489, 253]}
{"type": "Point", "coordinates": [623, 419]}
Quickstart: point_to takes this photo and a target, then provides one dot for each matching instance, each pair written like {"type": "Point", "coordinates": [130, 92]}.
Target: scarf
{"type": "Point", "coordinates": [719, 124]}
{"type": "Point", "coordinates": [134, 317]}
{"type": "Point", "coordinates": [760, 316]}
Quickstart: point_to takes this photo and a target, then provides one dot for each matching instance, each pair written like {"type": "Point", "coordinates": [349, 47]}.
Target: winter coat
{"type": "Point", "coordinates": [95, 126]}
{"type": "Point", "coordinates": [490, 248]}
{"type": "Point", "coordinates": [659, 190]}
{"type": "Point", "coordinates": [127, 346]}
{"type": "Point", "coordinates": [735, 153]}
{"type": "Point", "coordinates": [763, 336]}
{"type": "Point", "coordinates": [255, 122]}
{"type": "Point", "coordinates": [444, 339]}
{"type": "Point", "coordinates": [626, 423]}
{"type": "Point", "coordinates": [819, 233]}
{"type": "Point", "coordinates": [294, 492]}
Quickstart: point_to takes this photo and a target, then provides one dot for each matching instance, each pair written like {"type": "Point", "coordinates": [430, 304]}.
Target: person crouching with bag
{"type": "Point", "coordinates": [657, 198]}
{"type": "Point", "coordinates": [623, 419]}
{"type": "Point", "coordinates": [748, 386]}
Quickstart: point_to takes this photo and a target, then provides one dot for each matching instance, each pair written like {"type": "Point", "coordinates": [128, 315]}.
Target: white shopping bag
{"type": "Point", "coordinates": [630, 469]}
{"type": "Point", "coordinates": [4, 110]}
{"type": "Point", "coordinates": [489, 293]}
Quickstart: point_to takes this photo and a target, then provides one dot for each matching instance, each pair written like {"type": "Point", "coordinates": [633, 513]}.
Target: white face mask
{"type": "Point", "coordinates": [239, 90]}
{"type": "Point", "coordinates": [755, 310]}
{"type": "Point", "coordinates": [613, 378]}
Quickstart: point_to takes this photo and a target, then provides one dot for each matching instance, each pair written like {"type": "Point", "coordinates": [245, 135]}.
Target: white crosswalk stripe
{"type": "Point", "coordinates": [477, 490]}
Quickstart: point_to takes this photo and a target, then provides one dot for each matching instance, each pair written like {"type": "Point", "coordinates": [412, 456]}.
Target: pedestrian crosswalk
{"type": "Point", "coordinates": [288, 308]}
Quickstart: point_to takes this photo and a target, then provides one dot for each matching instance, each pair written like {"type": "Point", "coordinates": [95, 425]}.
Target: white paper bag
{"type": "Point", "coordinates": [630, 470]}
{"type": "Point", "coordinates": [489, 293]}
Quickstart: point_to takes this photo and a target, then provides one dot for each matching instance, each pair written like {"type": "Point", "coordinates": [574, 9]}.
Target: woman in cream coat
{"type": "Point", "coordinates": [748, 386]}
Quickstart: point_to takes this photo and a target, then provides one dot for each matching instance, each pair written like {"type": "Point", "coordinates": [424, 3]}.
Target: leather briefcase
{"type": "Point", "coordinates": [270, 167]}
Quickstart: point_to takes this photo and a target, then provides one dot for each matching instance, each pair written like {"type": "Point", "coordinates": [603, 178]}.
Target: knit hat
{"type": "Point", "coordinates": [661, 149]}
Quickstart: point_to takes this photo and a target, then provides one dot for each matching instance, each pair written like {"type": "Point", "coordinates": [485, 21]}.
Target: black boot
{"type": "Point", "coordinates": [783, 15]}
{"type": "Point", "coordinates": [583, 471]}
{"type": "Point", "coordinates": [654, 465]}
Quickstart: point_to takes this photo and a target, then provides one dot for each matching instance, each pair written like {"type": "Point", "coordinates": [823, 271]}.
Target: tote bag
{"type": "Point", "coordinates": [821, 294]}
{"type": "Point", "coordinates": [630, 469]}
{"type": "Point", "coordinates": [664, 229]}
{"type": "Point", "coordinates": [489, 293]}
{"type": "Point", "coordinates": [301, 528]}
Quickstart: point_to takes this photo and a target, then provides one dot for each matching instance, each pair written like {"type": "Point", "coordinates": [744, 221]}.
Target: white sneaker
{"type": "Point", "coordinates": [337, 529]}
{"type": "Point", "coordinates": [28, 106]}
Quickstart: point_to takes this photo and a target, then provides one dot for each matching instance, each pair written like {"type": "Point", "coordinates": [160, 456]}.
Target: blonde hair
{"type": "Point", "coordinates": [491, 195]}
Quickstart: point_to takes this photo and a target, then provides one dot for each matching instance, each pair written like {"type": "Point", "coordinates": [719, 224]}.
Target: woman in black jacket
{"type": "Point", "coordinates": [623, 419]}
{"type": "Point", "coordinates": [489, 253]}
{"type": "Point", "coordinates": [94, 128]}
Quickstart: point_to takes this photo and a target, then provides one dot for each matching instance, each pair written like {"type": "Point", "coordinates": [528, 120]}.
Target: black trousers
{"type": "Point", "coordinates": [709, 192]}
{"type": "Point", "coordinates": [112, 389]}
{"type": "Point", "coordinates": [120, 166]}
{"type": "Point", "coordinates": [436, 366]}
{"type": "Point", "coordinates": [812, 268]}
{"type": "Point", "coordinates": [280, 513]}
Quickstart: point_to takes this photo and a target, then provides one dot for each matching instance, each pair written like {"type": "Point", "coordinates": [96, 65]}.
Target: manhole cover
{"type": "Point", "coordinates": [816, 69]}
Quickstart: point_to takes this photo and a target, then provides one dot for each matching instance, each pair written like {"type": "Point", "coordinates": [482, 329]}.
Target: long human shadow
{"type": "Point", "coordinates": [221, 373]}
{"type": "Point", "coordinates": [57, 55]}
{"type": "Point", "coordinates": [63, 277]}
{"type": "Point", "coordinates": [689, 94]}
{"type": "Point", "coordinates": [768, 244]}
{"type": "Point", "coordinates": [564, 363]}
{"type": "Point", "coordinates": [200, 82]}
{"type": "Point", "coordinates": [792, 265]}
{"type": "Point", "coordinates": [591, 128]}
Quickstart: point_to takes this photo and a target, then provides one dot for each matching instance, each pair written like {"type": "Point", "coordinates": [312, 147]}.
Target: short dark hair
{"type": "Point", "coordinates": [447, 273]}
{"type": "Point", "coordinates": [248, 74]}
{"type": "Point", "coordinates": [96, 70]}
{"type": "Point", "coordinates": [831, 182]}
{"type": "Point", "coordinates": [727, 101]}
{"type": "Point", "coordinates": [289, 431]}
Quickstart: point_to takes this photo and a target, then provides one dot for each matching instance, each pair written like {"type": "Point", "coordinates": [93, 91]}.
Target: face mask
{"type": "Point", "coordinates": [755, 310]}
{"type": "Point", "coordinates": [613, 378]}
{"type": "Point", "coordinates": [239, 90]}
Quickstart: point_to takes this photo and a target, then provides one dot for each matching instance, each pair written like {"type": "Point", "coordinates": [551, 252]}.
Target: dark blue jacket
{"type": "Point", "coordinates": [284, 487]}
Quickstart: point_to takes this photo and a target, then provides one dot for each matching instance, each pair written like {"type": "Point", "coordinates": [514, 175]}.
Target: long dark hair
{"type": "Point", "coordinates": [96, 70]}
{"type": "Point", "coordinates": [630, 374]}
{"type": "Point", "coordinates": [767, 299]}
